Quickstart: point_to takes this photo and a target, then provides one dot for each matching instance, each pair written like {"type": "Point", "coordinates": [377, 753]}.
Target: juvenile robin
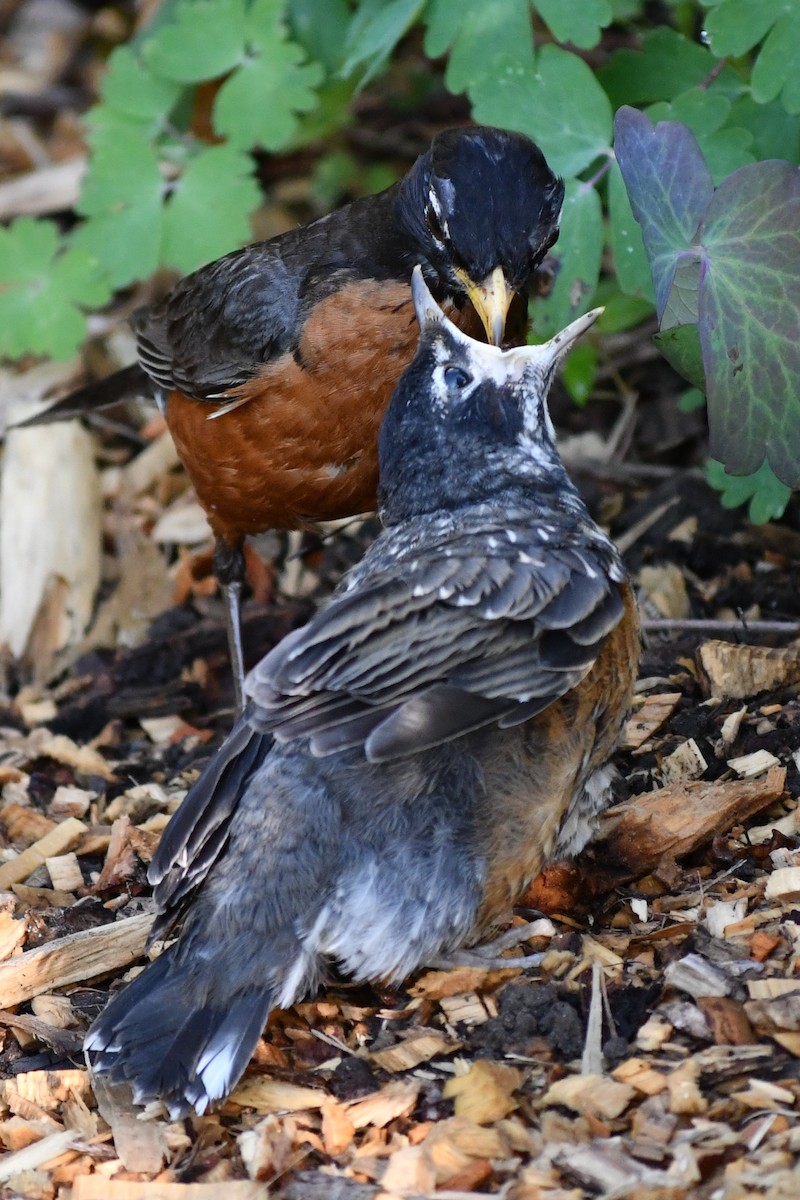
{"type": "Point", "coordinates": [274, 365]}
{"type": "Point", "coordinates": [410, 759]}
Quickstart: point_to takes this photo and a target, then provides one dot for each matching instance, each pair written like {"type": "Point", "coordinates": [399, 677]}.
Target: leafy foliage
{"type": "Point", "coordinates": [726, 269]}
{"type": "Point", "coordinates": [185, 104]}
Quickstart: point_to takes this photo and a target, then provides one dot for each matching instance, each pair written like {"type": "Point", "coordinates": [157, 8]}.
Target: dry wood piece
{"type": "Point", "coordinates": [59, 839]}
{"type": "Point", "coordinates": [698, 977]}
{"type": "Point", "coordinates": [36, 1154]}
{"type": "Point", "coordinates": [591, 1094]}
{"type": "Point", "coordinates": [485, 1093]}
{"type": "Point", "coordinates": [674, 821]}
{"type": "Point", "coordinates": [95, 1187]}
{"type": "Point", "coordinates": [747, 766]}
{"type": "Point", "coordinates": [685, 763]}
{"type": "Point", "coordinates": [64, 871]}
{"type": "Point", "coordinates": [50, 543]}
{"type": "Point", "coordinates": [140, 1144]}
{"type": "Point", "coordinates": [736, 672]}
{"type": "Point", "coordinates": [648, 718]}
{"type": "Point", "coordinates": [47, 1089]}
{"type": "Point", "coordinates": [413, 1051]}
{"type": "Point", "coordinates": [272, 1095]}
{"type": "Point", "coordinates": [783, 884]}
{"type": "Point", "coordinates": [73, 959]}
{"type": "Point", "coordinates": [13, 931]}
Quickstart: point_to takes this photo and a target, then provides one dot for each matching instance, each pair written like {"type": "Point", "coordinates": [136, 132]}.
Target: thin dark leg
{"type": "Point", "coordinates": [229, 568]}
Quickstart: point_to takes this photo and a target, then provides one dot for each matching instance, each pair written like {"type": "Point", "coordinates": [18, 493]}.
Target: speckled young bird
{"type": "Point", "coordinates": [412, 757]}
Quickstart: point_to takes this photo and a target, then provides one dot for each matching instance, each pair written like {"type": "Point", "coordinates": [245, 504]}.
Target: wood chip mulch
{"type": "Point", "coordinates": [650, 1047]}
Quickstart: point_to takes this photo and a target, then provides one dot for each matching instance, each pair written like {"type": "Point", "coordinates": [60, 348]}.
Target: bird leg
{"type": "Point", "coordinates": [487, 954]}
{"type": "Point", "coordinates": [229, 568]}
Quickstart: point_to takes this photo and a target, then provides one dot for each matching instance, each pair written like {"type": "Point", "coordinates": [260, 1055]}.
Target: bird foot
{"type": "Point", "coordinates": [488, 954]}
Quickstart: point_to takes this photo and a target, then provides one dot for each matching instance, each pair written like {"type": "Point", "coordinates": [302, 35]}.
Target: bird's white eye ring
{"type": "Point", "coordinates": [456, 379]}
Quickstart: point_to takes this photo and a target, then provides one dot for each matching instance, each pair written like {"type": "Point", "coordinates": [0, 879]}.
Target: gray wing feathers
{"type": "Point", "coordinates": [435, 645]}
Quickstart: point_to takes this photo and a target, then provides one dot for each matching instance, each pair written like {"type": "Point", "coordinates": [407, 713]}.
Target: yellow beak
{"type": "Point", "coordinates": [491, 300]}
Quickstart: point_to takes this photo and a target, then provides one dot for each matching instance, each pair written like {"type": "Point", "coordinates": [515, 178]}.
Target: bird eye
{"type": "Point", "coordinates": [455, 379]}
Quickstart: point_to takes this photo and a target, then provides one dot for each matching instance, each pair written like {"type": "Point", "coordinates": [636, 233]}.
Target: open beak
{"type": "Point", "coordinates": [491, 300]}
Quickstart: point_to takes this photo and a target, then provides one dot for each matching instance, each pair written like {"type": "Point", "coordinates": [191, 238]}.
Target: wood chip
{"type": "Point", "coordinates": [747, 766]}
{"type": "Point", "coordinates": [272, 1095]}
{"type": "Point", "coordinates": [737, 672]}
{"type": "Point", "coordinates": [783, 884]}
{"type": "Point", "coordinates": [13, 931]}
{"type": "Point", "coordinates": [413, 1051]}
{"type": "Point", "coordinates": [596, 1095]}
{"type": "Point", "coordinates": [727, 1020]}
{"type": "Point", "coordinates": [396, 1099]}
{"type": "Point", "coordinates": [73, 959]}
{"type": "Point", "coordinates": [36, 1154]}
{"type": "Point", "coordinates": [697, 976]}
{"type": "Point", "coordinates": [485, 1093]}
{"type": "Point", "coordinates": [48, 1089]}
{"type": "Point", "coordinates": [674, 821]}
{"type": "Point", "coordinates": [59, 839]}
{"type": "Point", "coordinates": [95, 1187]}
{"type": "Point", "coordinates": [640, 1074]}
{"type": "Point", "coordinates": [64, 871]}
{"type": "Point", "coordinates": [648, 718]}
{"type": "Point", "coordinates": [685, 763]}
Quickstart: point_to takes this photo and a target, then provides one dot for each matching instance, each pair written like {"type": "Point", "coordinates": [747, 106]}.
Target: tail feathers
{"type": "Point", "coordinates": [122, 385]}
{"type": "Point", "coordinates": [172, 1039]}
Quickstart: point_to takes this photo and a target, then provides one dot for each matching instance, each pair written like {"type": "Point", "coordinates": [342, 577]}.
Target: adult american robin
{"type": "Point", "coordinates": [274, 365]}
{"type": "Point", "coordinates": [410, 759]}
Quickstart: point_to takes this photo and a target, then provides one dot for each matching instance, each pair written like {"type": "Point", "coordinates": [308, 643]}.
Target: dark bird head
{"type": "Point", "coordinates": [482, 208]}
{"type": "Point", "coordinates": [468, 423]}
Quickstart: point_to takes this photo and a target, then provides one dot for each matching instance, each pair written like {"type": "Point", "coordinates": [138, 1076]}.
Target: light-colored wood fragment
{"type": "Point", "coordinates": [747, 766]}
{"type": "Point", "coordinates": [664, 588]}
{"type": "Point", "coordinates": [413, 1051]}
{"type": "Point", "coordinates": [695, 975]}
{"type": "Point", "coordinates": [95, 1187]}
{"type": "Point", "coordinates": [73, 959]}
{"type": "Point", "coordinates": [640, 1074]}
{"type": "Point", "coordinates": [647, 719]}
{"type": "Point", "coordinates": [684, 764]}
{"type": "Point", "coordinates": [596, 1095]}
{"type": "Point", "coordinates": [766, 989]}
{"type": "Point", "coordinates": [737, 672]}
{"type": "Point", "coordinates": [338, 1130]}
{"type": "Point", "coordinates": [272, 1095]}
{"type": "Point", "coordinates": [154, 461]}
{"type": "Point", "coordinates": [13, 931]}
{"type": "Point", "coordinates": [685, 1097]}
{"type": "Point", "coordinates": [64, 870]}
{"type": "Point", "coordinates": [396, 1099]}
{"type": "Point", "coordinates": [50, 538]}
{"type": "Point", "coordinates": [59, 839]}
{"type": "Point", "coordinates": [485, 1094]}
{"type": "Point", "coordinates": [48, 1089]}
{"type": "Point", "coordinates": [31, 1157]}
{"type": "Point", "coordinates": [783, 884]}
{"type": "Point", "coordinates": [731, 726]}
{"type": "Point", "coordinates": [55, 1010]}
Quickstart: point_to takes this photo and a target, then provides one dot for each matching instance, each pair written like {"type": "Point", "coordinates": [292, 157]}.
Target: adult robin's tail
{"type": "Point", "coordinates": [183, 1031]}
{"type": "Point", "coordinates": [121, 385]}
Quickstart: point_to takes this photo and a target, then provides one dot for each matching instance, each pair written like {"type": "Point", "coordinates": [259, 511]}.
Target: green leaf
{"type": "Point", "coordinates": [749, 301]}
{"type": "Point", "coordinates": [122, 196]}
{"type": "Point", "coordinates": [777, 69]}
{"type": "Point", "coordinates": [621, 312]}
{"type": "Point", "coordinates": [692, 400]}
{"type": "Point", "coordinates": [321, 27]}
{"type": "Point", "coordinates": [767, 495]}
{"type": "Point", "coordinates": [735, 26]}
{"type": "Point", "coordinates": [577, 23]}
{"type": "Point", "coordinates": [666, 66]}
{"type": "Point", "coordinates": [561, 106]}
{"type": "Point", "coordinates": [776, 134]}
{"type": "Point", "coordinates": [130, 87]}
{"type": "Point", "coordinates": [669, 187]}
{"type": "Point", "coordinates": [375, 32]}
{"type": "Point", "coordinates": [206, 214]}
{"type": "Point", "coordinates": [578, 252]}
{"type": "Point", "coordinates": [480, 35]}
{"type": "Point", "coordinates": [630, 258]}
{"type": "Point", "coordinates": [579, 372]}
{"type": "Point", "coordinates": [206, 39]}
{"type": "Point", "coordinates": [681, 348]}
{"type": "Point", "coordinates": [257, 105]}
{"type": "Point", "coordinates": [43, 289]}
